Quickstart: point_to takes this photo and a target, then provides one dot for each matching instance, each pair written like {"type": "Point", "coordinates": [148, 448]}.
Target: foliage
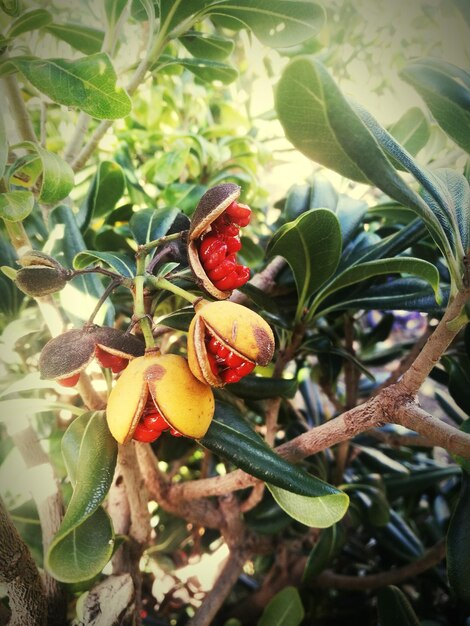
{"type": "Point", "coordinates": [318, 474]}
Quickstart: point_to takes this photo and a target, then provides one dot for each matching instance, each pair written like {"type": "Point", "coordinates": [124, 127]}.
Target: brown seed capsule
{"type": "Point", "coordinates": [157, 393]}
{"type": "Point", "coordinates": [226, 341]}
{"type": "Point", "coordinates": [213, 241]}
{"type": "Point", "coordinates": [40, 274]}
{"type": "Point", "coordinates": [65, 356]}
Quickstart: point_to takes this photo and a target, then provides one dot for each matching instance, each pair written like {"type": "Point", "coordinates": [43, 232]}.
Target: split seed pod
{"type": "Point", "coordinates": [160, 389]}
{"type": "Point", "coordinates": [65, 356]}
{"type": "Point", "coordinates": [40, 274]}
{"type": "Point", "coordinates": [226, 341]}
{"type": "Point", "coordinates": [214, 240]}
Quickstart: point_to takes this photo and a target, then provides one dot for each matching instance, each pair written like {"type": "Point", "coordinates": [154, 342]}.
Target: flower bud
{"type": "Point", "coordinates": [226, 341]}
{"type": "Point", "coordinates": [214, 241]}
{"type": "Point", "coordinates": [157, 393]}
{"type": "Point", "coordinates": [65, 356]}
{"type": "Point", "coordinates": [40, 274]}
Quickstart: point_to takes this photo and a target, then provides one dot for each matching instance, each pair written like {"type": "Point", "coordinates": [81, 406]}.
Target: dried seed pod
{"type": "Point", "coordinates": [226, 341]}
{"type": "Point", "coordinates": [40, 274]}
{"type": "Point", "coordinates": [157, 393]}
{"type": "Point", "coordinates": [213, 241]}
{"type": "Point", "coordinates": [65, 356]}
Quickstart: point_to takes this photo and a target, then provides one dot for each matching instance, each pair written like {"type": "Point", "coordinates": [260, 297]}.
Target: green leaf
{"type": "Point", "coordinates": [83, 38]}
{"type": "Point", "coordinates": [260, 388]}
{"type": "Point", "coordinates": [11, 7]}
{"type": "Point", "coordinates": [205, 69]}
{"type": "Point", "coordinates": [57, 178]}
{"type": "Point", "coordinates": [114, 10]}
{"type": "Point", "coordinates": [84, 542]}
{"type": "Point", "coordinates": [312, 247]}
{"type": "Point", "coordinates": [458, 543]}
{"type": "Point", "coordinates": [370, 269]}
{"type": "Point", "coordinates": [207, 46]}
{"type": "Point", "coordinates": [418, 480]}
{"type": "Point", "coordinates": [107, 187]}
{"type": "Point", "coordinates": [445, 88]}
{"type": "Point", "coordinates": [412, 130]}
{"type": "Point", "coordinates": [119, 262]}
{"type": "Point", "coordinates": [462, 461]}
{"type": "Point", "coordinates": [459, 380]}
{"type": "Point", "coordinates": [323, 552]}
{"type": "Point", "coordinates": [3, 146]}
{"type": "Point", "coordinates": [15, 206]}
{"type": "Point", "coordinates": [31, 20]}
{"type": "Point", "coordinates": [285, 609]}
{"type": "Point", "coordinates": [395, 608]}
{"type": "Point", "coordinates": [318, 503]}
{"type": "Point", "coordinates": [150, 224]}
{"type": "Point", "coordinates": [324, 126]}
{"type": "Point", "coordinates": [89, 83]}
{"type": "Point", "coordinates": [279, 24]}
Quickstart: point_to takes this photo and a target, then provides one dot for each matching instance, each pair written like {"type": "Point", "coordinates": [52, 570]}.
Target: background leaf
{"type": "Point", "coordinates": [83, 38]}
{"type": "Point", "coordinates": [285, 609]}
{"type": "Point", "coordinates": [395, 608]}
{"type": "Point", "coordinates": [15, 206]}
{"type": "Point", "coordinates": [30, 20]}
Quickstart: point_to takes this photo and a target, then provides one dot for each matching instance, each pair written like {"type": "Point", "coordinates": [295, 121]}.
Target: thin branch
{"type": "Point", "coordinates": [18, 109]}
{"type": "Point", "coordinates": [83, 122]}
{"type": "Point", "coordinates": [136, 493]}
{"type": "Point", "coordinates": [265, 280]}
{"type": "Point", "coordinates": [19, 574]}
{"type": "Point", "coordinates": [392, 577]}
{"type": "Point", "coordinates": [219, 592]}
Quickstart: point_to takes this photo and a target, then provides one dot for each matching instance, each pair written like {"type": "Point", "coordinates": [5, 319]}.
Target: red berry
{"type": "Point", "coordinates": [212, 252]}
{"type": "Point", "coordinates": [116, 363]}
{"type": "Point", "coordinates": [224, 268]}
{"type": "Point", "coordinates": [233, 360]}
{"type": "Point", "coordinates": [233, 244]}
{"type": "Point", "coordinates": [141, 433]}
{"type": "Point", "coordinates": [71, 381]}
{"type": "Point", "coordinates": [240, 213]}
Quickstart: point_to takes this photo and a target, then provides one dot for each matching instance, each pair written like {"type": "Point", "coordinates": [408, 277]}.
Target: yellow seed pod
{"type": "Point", "coordinates": [226, 340]}
{"type": "Point", "coordinates": [166, 383]}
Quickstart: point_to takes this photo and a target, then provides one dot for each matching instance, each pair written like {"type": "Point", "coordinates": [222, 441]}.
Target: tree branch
{"type": "Point", "coordinates": [19, 574]}
{"type": "Point", "coordinates": [18, 109]}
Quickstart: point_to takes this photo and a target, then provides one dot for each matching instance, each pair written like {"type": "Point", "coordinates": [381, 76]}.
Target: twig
{"type": "Point", "coordinates": [136, 493]}
{"type": "Point", "coordinates": [75, 144]}
{"type": "Point", "coordinates": [19, 574]}
{"type": "Point", "coordinates": [18, 109]}
{"type": "Point", "coordinates": [222, 587]}
{"type": "Point", "coordinates": [392, 577]}
{"type": "Point", "coordinates": [265, 280]}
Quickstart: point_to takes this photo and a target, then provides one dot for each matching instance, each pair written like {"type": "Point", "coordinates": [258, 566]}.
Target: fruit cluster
{"type": "Point", "coordinates": [218, 248]}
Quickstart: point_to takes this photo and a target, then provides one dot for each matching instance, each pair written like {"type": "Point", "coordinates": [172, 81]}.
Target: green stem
{"type": "Point", "coordinates": [139, 305]}
{"type": "Point", "coordinates": [156, 243]}
{"type": "Point", "coordinates": [163, 283]}
{"type": "Point", "coordinates": [18, 235]}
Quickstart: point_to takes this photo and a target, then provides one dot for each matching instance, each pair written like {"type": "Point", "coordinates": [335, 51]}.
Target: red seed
{"type": "Point", "coordinates": [141, 433]}
{"type": "Point", "coordinates": [213, 345]}
{"type": "Point", "coordinates": [212, 254]}
{"type": "Point", "coordinates": [175, 433]}
{"type": "Point", "coordinates": [224, 268]}
{"type": "Point", "coordinates": [223, 225]}
{"type": "Point", "coordinates": [153, 421]}
{"type": "Point", "coordinates": [230, 376]}
{"type": "Point", "coordinates": [233, 360]}
{"type": "Point", "coordinates": [228, 282]}
{"type": "Point", "coordinates": [240, 213]}
{"type": "Point", "coordinates": [116, 363]}
{"type": "Point", "coordinates": [243, 275]}
{"type": "Point", "coordinates": [222, 352]}
{"type": "Point", "coordinates": [233, 244]}
{"type": "Point", "coordinates": [71, 381]}
{"type": "Point", "coordinates": [213, 363]}
{"type": "Point", "coordinates": [244, 369]}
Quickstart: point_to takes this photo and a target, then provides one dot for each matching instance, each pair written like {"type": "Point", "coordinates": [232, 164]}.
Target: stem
{"type": "Point", "coordinates": [18, 109]}
{"type": "Point", "coordinates": [83, 122]}
{"type": "Point", "coordinates": [156, 243]}
{"type": "Point", "coordinates": [18, 236]}
{"type": "Point", "coordinates": [140, 314]}
{"type": "Point", "coordinates": [109, 289]}
{"type": "Point", "coordinates": [163, 283]}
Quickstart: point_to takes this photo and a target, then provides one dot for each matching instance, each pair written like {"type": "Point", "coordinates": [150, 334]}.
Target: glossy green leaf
{"type": "Point", "coordinates": [205, 69]}
{"type": "Point", "coordinates": [395, 608]}
{"type": "Point", "coordinates": [3, 146]}
{"type": "Point", "coordinates": [260, 388]}
{"type": "Point", "coordinates": [83, 38]}
{"type": "Point", "coordinates": [297, 201]}
{"type": "Point", "coordinates": [84, 542]}
{"type": "Point", "coordinates": [30, 20]}
{"type": "Point", "coordinates": [10, 296]}
{"type": "Point", "coordinates": [318, 504]}
{"type": "Point", "coordinates": [445, 88]}
{"type": "Point", "coordinates": [324, 126]}
{"type": "Point", "coordinates": [57, 177]}
{"type": "Point", "coordinates": [107, 187]}
{"type": "Point", "coordinates": [418, 480]}
{"type": "Point", "coordinates": [119, 262]}
{"type": "Point", "coordinates": [398, 539]}
{"type": "Point", "coordinates": [412, 130]}
{"type": "Point", "coordinates": [15, 206]}
{"type": "Point", "coordinates": [89, 83]}
{"type": "Point", "coordinates": [207, 46]}
{"type": "Point", "coordinates": [150, 224]}
{"type": "Point", "coordinates": [65, 242]}
{"type": "Point", "coordinates": [370, 269]}
{"type": "Point", "coordinates": [267, 518]}
{"type": "Point", "coordinates": [459, 381]}
{"type": "Point", "coordinates": [285, 609]}
{"type": "Point", "coordinates": [323, 552]}
{"type": "Point", "coordinates": [312, 247]}
{"type": "Point", "coordinates": [458, 543]}
{"type": "Point", "coordinates": [114, 10]}
{"type": "Point", "coordinates": [279, 24]}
